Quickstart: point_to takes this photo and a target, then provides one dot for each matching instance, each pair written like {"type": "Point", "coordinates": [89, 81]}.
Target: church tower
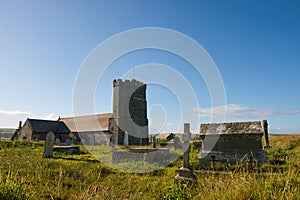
{"type": "Point", "coordinates": [130, 112]}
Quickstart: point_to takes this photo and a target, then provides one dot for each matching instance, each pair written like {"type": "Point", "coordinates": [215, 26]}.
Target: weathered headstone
{"type": "Point", "coordinates": [186, 137]}
{"type": "Point", "coordinates": [126, 141]}
{"type": "Point", "coordinates": [57, 141]}
{"type": "Point", "coordinates": [48, 148]}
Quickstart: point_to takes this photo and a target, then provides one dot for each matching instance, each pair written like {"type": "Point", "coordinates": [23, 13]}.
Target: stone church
{"type": "Point", "coordinates": [129, 116]}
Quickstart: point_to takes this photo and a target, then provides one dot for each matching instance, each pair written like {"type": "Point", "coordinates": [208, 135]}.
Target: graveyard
{"type": "Point", "coordinates": [113, 156]}
{"type": "Point", "coordinates": [26, 174]}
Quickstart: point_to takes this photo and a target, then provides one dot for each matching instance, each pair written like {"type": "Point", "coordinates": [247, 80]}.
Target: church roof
{"type": "Point", "coordinates": [232, 128]}
{"type": "Point", "coordinates": [45, 126]}
{"type": "Point", "coordinates": [88, 123]}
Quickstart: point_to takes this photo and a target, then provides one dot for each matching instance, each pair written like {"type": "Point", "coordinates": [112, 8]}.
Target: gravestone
{"type": "Point", "coordinates": [126, 141]}
{"type": "Point", "coordinates": [185, 172]}
{"type": "Point", "coordinates": [49, 142]}
{"type": "Point", "coordinates": [68, 142]}
{"type": "Point", "coordinates": [57, 141]}
{"type": "Point", "coordinates": [186, 137]}
{"type": "Point", "coordinates": [113, 141]}
{"type": "Point", "coordinates": [154, 142]}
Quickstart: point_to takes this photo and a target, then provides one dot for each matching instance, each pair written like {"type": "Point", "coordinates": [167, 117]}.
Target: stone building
{"type": "Point", "coordinates": [232, 142]}
{"type": "Point", "coordinates": [90, 129]}
{"type": "Point", "coordinates": [129, 115]}
{"type": "Point", "coordinates": [36, 130]}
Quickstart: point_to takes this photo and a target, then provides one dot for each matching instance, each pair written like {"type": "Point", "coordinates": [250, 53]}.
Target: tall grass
{"type": "Point", "coordinates": [24, 174]}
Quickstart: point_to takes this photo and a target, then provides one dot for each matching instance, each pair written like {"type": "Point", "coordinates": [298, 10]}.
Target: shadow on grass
{"type": "Point", "coordinates": [76, 159]}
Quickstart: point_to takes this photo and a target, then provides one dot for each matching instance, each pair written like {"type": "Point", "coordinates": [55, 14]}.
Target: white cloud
{"type": "Point", "coordinates": [10, 119]}
{"type": "Point", "coordinates": [240, 111]}
{"type": "Point", "coordinates": [51, 116]}
{"type": "Point", "coordinates": [17, 112]}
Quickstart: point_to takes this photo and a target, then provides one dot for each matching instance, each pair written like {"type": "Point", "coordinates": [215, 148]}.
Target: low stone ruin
{"type": "Point", "coordinates": [232, 143]}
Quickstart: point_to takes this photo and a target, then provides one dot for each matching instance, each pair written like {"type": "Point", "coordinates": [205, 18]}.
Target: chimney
{"type": "Point", "coordinates": [20, 125]}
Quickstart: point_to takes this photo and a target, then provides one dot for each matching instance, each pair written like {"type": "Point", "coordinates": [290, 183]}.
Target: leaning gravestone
{"type": "Point", "coordinates": [48, 148]}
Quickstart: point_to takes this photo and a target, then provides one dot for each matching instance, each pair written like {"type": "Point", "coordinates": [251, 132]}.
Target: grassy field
{"type": "Point", "coordinates": [26, 175]}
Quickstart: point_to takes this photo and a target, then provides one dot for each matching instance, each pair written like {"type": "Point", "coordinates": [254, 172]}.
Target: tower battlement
{"type": "Point", "coordinates": [134, 82]}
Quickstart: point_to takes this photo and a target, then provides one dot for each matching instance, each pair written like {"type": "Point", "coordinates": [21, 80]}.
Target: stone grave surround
{"type": "Point", "coordinates": [231, 143]}
{"type": "Point", "coordinates": [150, 155]}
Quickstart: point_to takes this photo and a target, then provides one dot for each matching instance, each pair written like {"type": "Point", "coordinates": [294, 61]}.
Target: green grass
{"type": "Point", "coordinates": [24, 174]}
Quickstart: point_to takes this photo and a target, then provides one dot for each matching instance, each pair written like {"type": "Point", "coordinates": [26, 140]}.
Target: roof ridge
{"type": "Point", "coordinates": [85, 115]}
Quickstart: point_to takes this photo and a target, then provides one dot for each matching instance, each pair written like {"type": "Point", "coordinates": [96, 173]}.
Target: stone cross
{"type": "Point", "coordinates": [186, 172]}
{"type": "Point", "coordinates": [186, 137]}
{"type": "Point", "coordinates": [48, 148]}
{"type": "Point", "coordinates": [126, 141]}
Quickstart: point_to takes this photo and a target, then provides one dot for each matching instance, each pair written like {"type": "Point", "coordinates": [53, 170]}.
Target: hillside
{"type": "Point", "coordinates": [6, 132]}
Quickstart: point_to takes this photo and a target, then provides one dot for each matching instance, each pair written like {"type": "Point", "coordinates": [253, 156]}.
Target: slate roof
{"type": "Point", "coordinates": [45, 126]}
{"type": "Point", "coordinates": [88, 123]}
{"type": "Point", "coordinates": [232, 128]}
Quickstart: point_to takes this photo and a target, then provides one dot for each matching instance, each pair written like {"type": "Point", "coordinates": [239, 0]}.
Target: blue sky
{"type": "Point", "coordinates": [254, 44]}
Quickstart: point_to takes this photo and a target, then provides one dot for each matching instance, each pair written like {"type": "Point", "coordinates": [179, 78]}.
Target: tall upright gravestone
{"type": "Point", "coordinates": [48, 148]}
{"type": "Point", "coordinates": [126, 139]}
{"type": "Point", "coordinates": [154, 142]}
